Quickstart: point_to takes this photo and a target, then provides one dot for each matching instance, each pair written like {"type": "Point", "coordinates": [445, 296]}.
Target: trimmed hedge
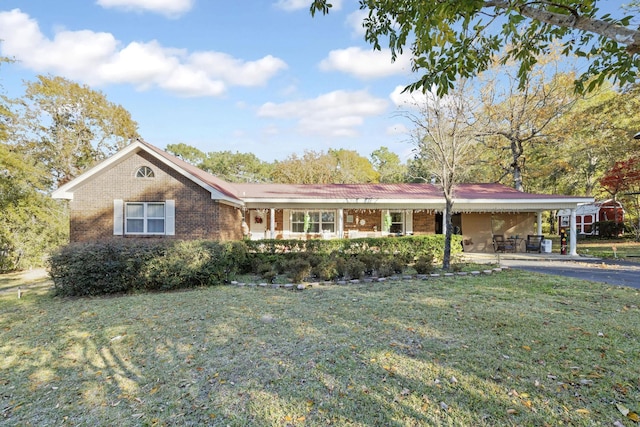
{"type": "Point", "coordinates": [129, 265]}
{"type": "Point", "coordinates": [405, 246]}
{"type": "Point", "coordinates": [118, 266]}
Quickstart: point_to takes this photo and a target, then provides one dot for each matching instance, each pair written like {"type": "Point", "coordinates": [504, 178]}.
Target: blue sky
{"type": "Point", "coordinates": [251, 76]}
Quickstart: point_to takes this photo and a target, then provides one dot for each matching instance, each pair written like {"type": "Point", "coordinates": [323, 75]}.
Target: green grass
{"type": "Point", "coordinates": [624, 248]}
{"type": "Point", "coordinates": [508, 349]}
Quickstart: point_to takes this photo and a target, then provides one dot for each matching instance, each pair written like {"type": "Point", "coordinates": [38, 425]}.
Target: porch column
{"type": "Point", "coordinates": [572, 234]}
{"type": "Point", "coordinates": [539, 223]}
{"type": "Point", "coordinates": [272, 222]}
{"type": "Point", "coordinates": [340, 223]}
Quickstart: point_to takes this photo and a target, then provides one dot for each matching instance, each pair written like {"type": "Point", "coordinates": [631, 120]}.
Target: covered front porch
{"type": "Point", "coordinates": [477, 228]}
{"type": "Point", "coordinates": [480, 211]}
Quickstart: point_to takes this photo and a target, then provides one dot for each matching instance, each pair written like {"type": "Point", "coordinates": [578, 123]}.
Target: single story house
{"type": "Point", "coordinates": [143, 191]}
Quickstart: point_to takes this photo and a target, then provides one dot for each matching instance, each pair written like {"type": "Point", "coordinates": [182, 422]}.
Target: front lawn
{"type": "Point", "coordinates": [512, 348]}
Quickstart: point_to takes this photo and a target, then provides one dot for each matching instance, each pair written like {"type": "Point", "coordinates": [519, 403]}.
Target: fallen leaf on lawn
{"type": "Point", "coordinates": [583, 411]}
{"type": "Point", "coordinates": [526, 347]}
{"type": "Point", "coordinates": [623, 409]}
{"type": "Point", "coordinates": [512, 411]}
{"type": "Point", "coordinates": [627, 413]}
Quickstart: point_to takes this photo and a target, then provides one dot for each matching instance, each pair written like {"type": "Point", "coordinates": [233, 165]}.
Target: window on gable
{"type": "Point", "coordinates": [144, 172]}
{"type": "Point", "coordinates": [145, 218]}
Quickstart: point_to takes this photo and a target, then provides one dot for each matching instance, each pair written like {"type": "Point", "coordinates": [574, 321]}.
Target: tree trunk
{"type": "Point", "coordinates": [516, 154]}
{"type": "Point", "coordinates": [446, 260]}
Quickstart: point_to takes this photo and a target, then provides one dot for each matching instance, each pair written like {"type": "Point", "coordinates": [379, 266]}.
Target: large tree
{"type": "Point", "coordinates": [622, 181]}
{"type": "Point", "coordinates": [587, 141]}
{"type": "Point", "coordinates": [516, 118]}
{"type": "Point", "coordinates": [388, 165]}
{"type": "Point", "coordinates": [232, 167]}
{"type": "Point", "coordinates": [68, 127]}
{"type": "Point", "coordinates": [450, 39]}
{"type": "Point", "coordinates": [444, 140]}
{"type": "Point", "coordinates": [31, 222]}
{"type": "Point", "coordinates": [334, 166]}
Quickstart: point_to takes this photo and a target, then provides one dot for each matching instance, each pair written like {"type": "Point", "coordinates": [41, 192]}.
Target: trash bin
{"type": "Point", "coordinates": [546, 246]}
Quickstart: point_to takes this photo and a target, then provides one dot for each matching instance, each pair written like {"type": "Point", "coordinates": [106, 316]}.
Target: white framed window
{"type": "Point", "coordinates": [144, 218]}
{"type": "Point", "coordinates": [397, 223]}
{"type": "Point", "coordinates": [318, 221]}
{"type": "Point", "coordinates": [393, 221]}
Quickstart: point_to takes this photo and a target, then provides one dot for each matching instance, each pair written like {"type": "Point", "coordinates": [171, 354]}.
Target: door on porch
{"type": "Point", "coordinates": [258, 225]}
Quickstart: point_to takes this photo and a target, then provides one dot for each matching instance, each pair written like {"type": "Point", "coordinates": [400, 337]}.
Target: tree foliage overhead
{"type": "Point", "coordinates": [452, 39]}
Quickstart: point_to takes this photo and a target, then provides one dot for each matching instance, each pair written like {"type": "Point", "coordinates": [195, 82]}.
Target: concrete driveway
{"type": "Point", "coordinates": [611, 272]}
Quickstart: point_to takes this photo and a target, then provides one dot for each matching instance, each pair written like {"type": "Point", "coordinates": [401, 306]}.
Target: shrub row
{"type": "Point", "coordinates": [120, 266]}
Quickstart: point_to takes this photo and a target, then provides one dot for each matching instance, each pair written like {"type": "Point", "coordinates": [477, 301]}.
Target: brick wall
{"type": "Point", "coordinates": [424, 222]}
{"type": "Point", "coordinates": [197, 216]}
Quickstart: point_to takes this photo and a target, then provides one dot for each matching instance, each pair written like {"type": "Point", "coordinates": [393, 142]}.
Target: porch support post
{"type": "Point", "coordinates": [272, 222]}
{"type": "Point", "coordinates": [573, 234]}
{"type": "Point", "coordinates": [340, 224]}
{"type": "Point", "coordinates": [539, 220]}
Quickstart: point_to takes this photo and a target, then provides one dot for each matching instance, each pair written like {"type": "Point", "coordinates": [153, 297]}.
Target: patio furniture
{"type": "Point", "coordinates": [500, 244]}
{"type": "Point", "coordinates": [534, 243]}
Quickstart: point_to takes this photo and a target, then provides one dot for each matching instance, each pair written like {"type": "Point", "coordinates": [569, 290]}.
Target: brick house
{"type": "Point", "coordinates": [143, 191]}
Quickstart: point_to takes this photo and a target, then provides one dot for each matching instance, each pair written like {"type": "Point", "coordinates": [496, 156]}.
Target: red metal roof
{"type": "Point", "coordinates": [411, 191]}
{"type": "Point", "coordinates": [381, 191]}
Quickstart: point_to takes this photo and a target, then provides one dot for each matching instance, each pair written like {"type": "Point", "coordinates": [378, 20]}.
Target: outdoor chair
{"type": "Point", "coordinates": [500, 244]}
{"type": "Point", "coordinates": [534, 243]}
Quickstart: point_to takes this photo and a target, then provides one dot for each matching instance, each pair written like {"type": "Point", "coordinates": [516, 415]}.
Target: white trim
{"type": "Point", "coordinates": [118, 217]}
{"type": "Point", "coordinates": [170, 217]}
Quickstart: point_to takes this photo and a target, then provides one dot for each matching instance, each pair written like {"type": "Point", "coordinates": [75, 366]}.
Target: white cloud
{"type": "Point", "coordinates": [355, 21]}
{"type": "Point", "coordinates": [407, 100]}
{"type": "Point", "coordinates": [365, 64]}
{"type": "Point", "coordinates": [291, 5]}
{"type": "Point", "coordinates": [170, 8]}
{"type": "Point", "coordinates": [333, 114]}
{"type": "Point", "coordinates": [99, 59]}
